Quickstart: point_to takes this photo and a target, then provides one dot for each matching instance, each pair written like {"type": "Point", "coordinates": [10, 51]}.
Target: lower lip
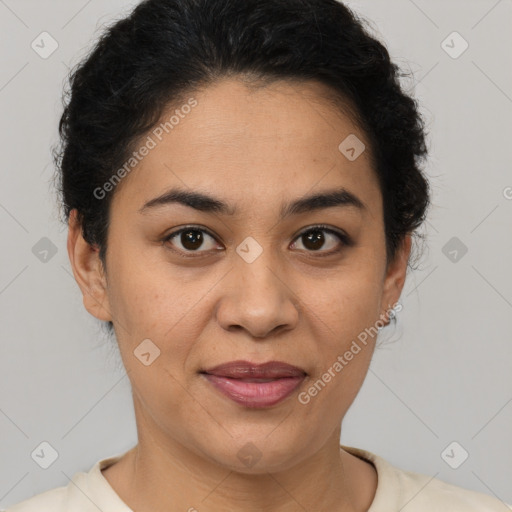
{"type": "Point", "coordinates": [255, 394]}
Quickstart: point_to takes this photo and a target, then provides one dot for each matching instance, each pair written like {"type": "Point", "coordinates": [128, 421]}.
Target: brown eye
{"type": "Point", "coordinates": [191, 239]}
{"type": "Point", "coordinates": [318, 238]}
{"type": "Point", "coordinates": [314, 240]}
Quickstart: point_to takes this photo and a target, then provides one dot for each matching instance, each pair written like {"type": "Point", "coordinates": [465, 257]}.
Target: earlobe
{"type": "Point", "coordinates": [88, 271]}
{"type": "Point", "coordinates": [395, 275]}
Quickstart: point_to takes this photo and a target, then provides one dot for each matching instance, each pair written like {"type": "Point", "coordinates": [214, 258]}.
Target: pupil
{"type": "Point", "coordinates": [315, 239]}
{"type": "Point", "coordinates": [191, 239]}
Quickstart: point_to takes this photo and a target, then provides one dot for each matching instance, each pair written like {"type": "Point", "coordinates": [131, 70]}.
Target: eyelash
{"type": "Point", "coordinates": [344, 239]}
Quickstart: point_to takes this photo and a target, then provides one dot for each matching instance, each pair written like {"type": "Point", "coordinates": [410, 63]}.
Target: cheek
{"type": "Point", "coordinates": [155, 307]}
{"type": "Point", "coordinates": [152, 298]}
{"type": "Point", "coordinates": [344, 315]}
{"type": "Point", "coordinates": [345, 341]}
{"type": "Point", "coordinates": [148, 303]}
{"type": "Point", "coordinates": [344, 307]}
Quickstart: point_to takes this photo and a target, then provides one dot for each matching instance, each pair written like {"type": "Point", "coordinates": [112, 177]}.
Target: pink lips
{"type": "Point", "coordinates": [255, 385]}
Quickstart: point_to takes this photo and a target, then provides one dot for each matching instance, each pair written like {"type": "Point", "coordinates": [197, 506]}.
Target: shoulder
{"type": "Point", "coordinates": [424, 493]}
{"type": "Point", "coordinates": [52, 500]}
{"type": "Point", "coordinates": [409, 491]}
{"type": "Point", "coordinates": [85, 492]}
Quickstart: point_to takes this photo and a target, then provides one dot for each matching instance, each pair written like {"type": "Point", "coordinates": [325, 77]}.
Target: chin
{"type": "Point", "coordinates": [261, 455]}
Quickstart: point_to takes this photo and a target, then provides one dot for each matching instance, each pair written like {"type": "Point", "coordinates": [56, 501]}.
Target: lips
{"type": "Point", "coordinates": [247, 370]}
{"type": "Point", "coordinates": [255, 385]}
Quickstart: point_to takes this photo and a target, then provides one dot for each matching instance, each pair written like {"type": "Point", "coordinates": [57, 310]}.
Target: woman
{"type": "Point", "coordinates": [241, 181]}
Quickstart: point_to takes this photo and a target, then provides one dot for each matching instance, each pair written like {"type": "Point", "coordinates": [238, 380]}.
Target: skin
{"type": "Point", "coordinates": [254, 149]}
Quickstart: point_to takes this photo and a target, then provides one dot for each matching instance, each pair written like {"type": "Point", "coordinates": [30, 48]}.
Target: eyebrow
{"type": "Point", "coordinates": [205, 203]}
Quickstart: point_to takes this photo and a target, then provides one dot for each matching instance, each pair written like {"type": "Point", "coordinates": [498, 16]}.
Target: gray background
{"type": "Point", "coordinates": [442, 375]}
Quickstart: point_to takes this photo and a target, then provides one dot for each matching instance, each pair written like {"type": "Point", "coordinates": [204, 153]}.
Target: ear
{"type": "Point", "coordinates": [88, 271]}
{"type": "Point", "coordinates": [395, 276]}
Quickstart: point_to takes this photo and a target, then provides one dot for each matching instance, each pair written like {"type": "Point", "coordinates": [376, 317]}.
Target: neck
{"type": "Point", "coordinates": [153, 478]}
{"type": "Point", "coordinates": [161, 474]}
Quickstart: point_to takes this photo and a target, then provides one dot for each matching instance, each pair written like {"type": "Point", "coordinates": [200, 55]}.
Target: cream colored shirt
{"type": "Point", "coordinates": [397, 490]}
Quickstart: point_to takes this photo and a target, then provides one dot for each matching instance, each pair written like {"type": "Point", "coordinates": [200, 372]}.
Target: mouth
{"type": "Point", "coordinates": [255, 385]}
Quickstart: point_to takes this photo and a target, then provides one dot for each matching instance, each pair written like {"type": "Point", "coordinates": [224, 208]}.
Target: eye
{"type": "Point", "coordinates": [191, 239]}
{"type": "Point", "coordinates": [313, 239]}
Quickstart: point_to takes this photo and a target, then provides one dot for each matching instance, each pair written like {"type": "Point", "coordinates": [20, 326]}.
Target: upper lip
{"type": "Point", "coordinates": [246, 369]}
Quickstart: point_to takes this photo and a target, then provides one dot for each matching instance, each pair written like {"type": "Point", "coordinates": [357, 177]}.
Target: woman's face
{"type": "Point", "coordinates": [258, 286]}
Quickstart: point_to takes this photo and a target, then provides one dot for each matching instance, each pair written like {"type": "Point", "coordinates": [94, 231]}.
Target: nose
{"type": "Point", "coordinates": [258, 299]}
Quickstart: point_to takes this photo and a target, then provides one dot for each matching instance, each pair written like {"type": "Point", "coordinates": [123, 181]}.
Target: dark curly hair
{"type": "Point", "coordinates": [167, 49]}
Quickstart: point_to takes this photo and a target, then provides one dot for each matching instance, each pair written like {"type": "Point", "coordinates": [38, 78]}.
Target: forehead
{"type": "Point", "coordinates": [252, 144]}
